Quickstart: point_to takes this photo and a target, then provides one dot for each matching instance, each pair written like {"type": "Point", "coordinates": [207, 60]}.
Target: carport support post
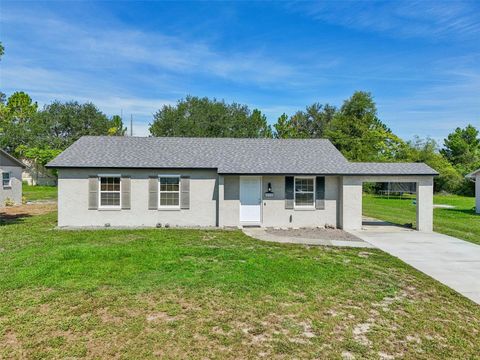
{"type": "Point", "coordinates": [351, 203]}
{"type": "Point", "coordinates": [425, 204]}
{"type": "Point", "coordinates": [220, 198]}
{"type": "Point", "coordinates": [477, 193]}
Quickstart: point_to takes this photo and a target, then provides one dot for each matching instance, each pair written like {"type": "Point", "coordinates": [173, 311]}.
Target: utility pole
{"type": "Point", "coordinates": [131, 125]}
{"type": "Point", "coordinates": [121, 117]}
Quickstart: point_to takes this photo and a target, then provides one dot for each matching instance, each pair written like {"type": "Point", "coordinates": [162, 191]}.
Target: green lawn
{"type": "Point", "coordinates": [175, 293]}
{"type": "Point", "coordinates": [33, 193]}
{"type": "Point", "coordinates": [461, 222]}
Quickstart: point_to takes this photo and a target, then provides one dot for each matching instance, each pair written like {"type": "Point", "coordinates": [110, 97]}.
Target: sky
{"type": "Point", "coordinates": [420, 60]}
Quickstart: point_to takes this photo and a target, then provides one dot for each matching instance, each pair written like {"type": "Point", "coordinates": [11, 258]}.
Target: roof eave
{"type": "Point", "coordinates": [21, 164]}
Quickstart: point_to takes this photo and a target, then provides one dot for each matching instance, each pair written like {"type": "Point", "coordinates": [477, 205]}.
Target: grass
{"type": "Point", "coordinates": [461, 221]}
{"type": "Point", "coordinates": [174, 293]}
{"type": "Point", "coordinates": [35, 193]}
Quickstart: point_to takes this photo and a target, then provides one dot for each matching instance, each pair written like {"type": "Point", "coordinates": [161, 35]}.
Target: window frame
{"type": "Point", "coordinates": [9, 185]}
{"type": "Point", "coordinates": [169, 207]}
{"type": "Point", "coordinates": [109, 207]}
{"type": "Point", "coordinates": [304, 207]}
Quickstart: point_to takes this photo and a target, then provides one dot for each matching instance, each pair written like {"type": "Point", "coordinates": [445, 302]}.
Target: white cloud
{"type": "Point", "coordinates": [432, 19]}
{"type": "Point", "coordinates": [438, 108]}
{"type": "Point", "coordinates": [106, 48]}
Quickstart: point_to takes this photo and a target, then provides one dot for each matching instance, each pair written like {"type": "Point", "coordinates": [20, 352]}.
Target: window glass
{"type": "Point", "coordinates": [110, 191]}
{"type": "Point", "coordinates": [304, 192]}
{"type": "Point", "coordinates": [6, 179]}
{"type": "Point", "coordinates": [169, 191]}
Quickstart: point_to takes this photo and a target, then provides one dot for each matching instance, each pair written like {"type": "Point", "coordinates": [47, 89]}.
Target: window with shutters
{"type": "Point", "coordinates": [169, 191]}
{"type": "Point", "coordinates": [110, 193]}
{"type": "Point", "coordinates": [6, 180]}
{"type": "Point", "coordinates": [304, 192]}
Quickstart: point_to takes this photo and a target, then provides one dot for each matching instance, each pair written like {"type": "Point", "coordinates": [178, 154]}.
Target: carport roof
{"type": "Point", "coordinates": [398, 168]}
{"type": "Point", "coordinates": [227, 155]}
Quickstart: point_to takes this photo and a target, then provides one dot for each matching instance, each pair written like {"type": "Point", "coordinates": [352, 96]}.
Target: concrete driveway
{"type": "Point", "coordinates": [453, 262]}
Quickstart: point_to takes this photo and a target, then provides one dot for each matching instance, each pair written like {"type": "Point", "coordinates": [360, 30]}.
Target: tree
{"type": "Point", "coordinates": [462, 149]}
{"type": "Point", "coordinates": [259, 121]}
{"type": "Point", "coordinates": [285, 129]}
{"type": "Point", "coordinates": [16, 117]}
{"type": "Point", "coordinates": [311, 123]}
{"type": "Point", "coordinates": [202, 117]}
{"type": "Point", "coordinates": [425, 150]}
{"type": "Point", "coordinates": [116, 128]}
{"type": "Point", "coordinates": [39, 156]}
{"type": "Point", "coordinates": [59, 124]}
{"type": "Point", "coordinates": [359, 134]}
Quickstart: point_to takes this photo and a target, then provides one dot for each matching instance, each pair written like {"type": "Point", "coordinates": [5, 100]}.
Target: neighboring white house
{"type": "Point", "coordinates": [475, 176]}
{"type": "Point", "coordinates": [133, 181]}
{"type": "Point", "coordinates": [11, 177]}
{"type": "Point", "coordinates": [36, 174]}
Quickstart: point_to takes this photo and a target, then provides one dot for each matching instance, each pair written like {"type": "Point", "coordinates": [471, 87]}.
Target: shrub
{"type": "Point", "coordinates": [9, 202]}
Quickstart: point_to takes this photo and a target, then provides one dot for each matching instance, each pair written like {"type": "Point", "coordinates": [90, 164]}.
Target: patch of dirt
{"type": "Point", "coordinates": [307, 330]}
{"type": "Point", "coordinates": [385, 356]}
{"type": "Point", "coordinates": [360, 331]}
{"type": "Point", "coordinates": [22, 211]}
{"type": "Point", "coordinates": [107, 317]}
{"type": "Point", "coordinates": [161, 316]}
{"type": "Point", "coordinates": [364, 254]}
{"type": "Point", "coordinates": [346, 355]}
{"type": "Point", "coordinates": [11, 339]}
{"type": "Point", "coordinates": [314, 233]}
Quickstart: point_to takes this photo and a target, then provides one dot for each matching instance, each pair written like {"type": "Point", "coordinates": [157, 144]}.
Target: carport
{"type": "Point", "coordinates": [351, 187]}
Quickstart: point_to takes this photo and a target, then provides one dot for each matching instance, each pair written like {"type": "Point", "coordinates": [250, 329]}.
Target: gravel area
{"type": "Point", "coordinates": [315, 233]}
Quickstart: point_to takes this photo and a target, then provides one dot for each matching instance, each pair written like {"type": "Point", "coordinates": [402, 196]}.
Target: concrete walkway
{"type": "Point", "coordinates": [453, 262]}
{"type": "Point", "coordinates": [262, 234]}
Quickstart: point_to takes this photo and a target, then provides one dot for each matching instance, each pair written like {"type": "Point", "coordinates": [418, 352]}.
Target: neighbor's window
{"type": "Point", "coordinates": [110, 191]}
{"type": "Point", "coordinates": [304, 192]}
{"type": "Point", "coordinates": [6, 179]}
{"type": "Point", "coordinates": [169, 194]}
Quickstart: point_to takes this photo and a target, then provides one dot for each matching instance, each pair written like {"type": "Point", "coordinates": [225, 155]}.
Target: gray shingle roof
{"type": "Point", "coordinates": [229, 156]}
{"type": "Point", "coordinates": [9, 158]}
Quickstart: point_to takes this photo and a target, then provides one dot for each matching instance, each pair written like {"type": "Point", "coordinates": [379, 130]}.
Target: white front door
{"type": "Point", "coordinates": [250, 199]}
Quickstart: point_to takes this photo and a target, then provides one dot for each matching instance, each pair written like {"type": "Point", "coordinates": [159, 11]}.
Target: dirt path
{"type": "Point", "coordinates": [13, 213]}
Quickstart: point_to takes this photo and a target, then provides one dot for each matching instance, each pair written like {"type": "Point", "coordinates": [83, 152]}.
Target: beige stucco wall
{"type": "Point", "coordinates": [14, 192]}
{"type": "Point", "coordinates": [274, 213]}
{"type": "Point", "coordinates": [273, 209]}
{"type": "Point", "coordinates": [229, 204]}
{"type": "Point", "coordinates": [343, 201]}
{"type": "Point", "coordinates": [73, 200]}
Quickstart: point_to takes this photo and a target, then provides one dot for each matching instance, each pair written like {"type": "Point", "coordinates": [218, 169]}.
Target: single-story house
{"type": "Point", "coordinates": [224, 182]}
{"type": "Point", "coordinates": [11, 176]}
{"type": "Point", "coordinates": [475, 176]}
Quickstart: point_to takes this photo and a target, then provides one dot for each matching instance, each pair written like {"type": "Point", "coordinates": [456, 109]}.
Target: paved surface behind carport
{"type": "Point", "coordinates": [453, 262]}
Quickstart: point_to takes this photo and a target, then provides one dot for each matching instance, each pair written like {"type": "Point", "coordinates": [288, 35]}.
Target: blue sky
{"type": "Point", "coordinates": [420, 60]}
